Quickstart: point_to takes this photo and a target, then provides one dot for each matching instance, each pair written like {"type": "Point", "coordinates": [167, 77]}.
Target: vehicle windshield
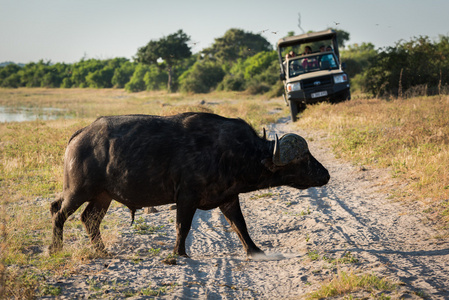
{"type": "Point", "coordinates": [311, 63]}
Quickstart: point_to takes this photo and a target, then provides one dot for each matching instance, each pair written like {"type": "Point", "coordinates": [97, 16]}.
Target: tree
{"type": "Point", "coordinates": [202, 77]}
{"type": "Point", "coordinates": [419, 62]}
{"type": "Point", "coordinates": [122, 74]}
{"type": "Point", "coordinates": [82, 69]}
{"type": "Point", "coordinates": [166, 52]}
{"type": "Point", "coordinates": [236, 44]}
{"type": "Point", "coordinates": [137, 83]}
{"type": "Point", "coordinates": [358, 59]}
{"type": "Point", "coordinates": [342, 37]}
{"type": "Point", "coordinates": [255, 65]}
{"type": "Point", "coordinates": [100, 78]}
{"type": "Point", "coordinates": [256, 74]}
{"type": "Point", "coordinates": [32, 74]}
{"type": "Point", "coordinates": [155, 79]}
{"type": "Point", "coordinates": [9, 76]}
{"type": "Point", "coordinates": [9, 70]}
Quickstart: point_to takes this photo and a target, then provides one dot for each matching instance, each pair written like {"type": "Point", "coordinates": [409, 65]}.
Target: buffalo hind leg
{"type": "Point", "coordinates": [184, 217]}
{"type": "Point", "coordinates": [91, 218]}
{"type": "Point", "coordinates": [233, 214]}
{"type": "Point", "coordinates": [60, 211]}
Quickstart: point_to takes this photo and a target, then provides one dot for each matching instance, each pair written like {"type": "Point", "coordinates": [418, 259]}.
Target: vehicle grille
{"type": "Point", "coordinates": [311, 83]}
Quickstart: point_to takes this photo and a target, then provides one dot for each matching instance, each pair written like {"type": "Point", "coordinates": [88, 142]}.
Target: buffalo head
{"type": "Point", "coordinates": [294, 165]}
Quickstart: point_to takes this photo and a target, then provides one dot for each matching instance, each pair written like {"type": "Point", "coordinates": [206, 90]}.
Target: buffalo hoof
{"type": "Point", "coordinates": [53, 249]}
{"type": "Point", "coordinates": [100, 249]}
{"type": "Point", "coordinates": [180, 254]}
{"type": "Point", "coordinates": [255, 254]}
{"type": "Point", "coordinates": [169, 261]}
{"type": "Point", "coordinates": [102, 253]}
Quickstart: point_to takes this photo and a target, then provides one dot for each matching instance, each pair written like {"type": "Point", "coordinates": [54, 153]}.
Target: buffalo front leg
{"type": "Point", "coordinates": [233, 214]}
{"type": "Point", "coordinates": [92, 216]}
{"type": "Point", "coordinates": [184, 217]}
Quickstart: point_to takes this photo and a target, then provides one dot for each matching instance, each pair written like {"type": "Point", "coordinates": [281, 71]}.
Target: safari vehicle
{"type": "Point", "coordinates": [311, 75]}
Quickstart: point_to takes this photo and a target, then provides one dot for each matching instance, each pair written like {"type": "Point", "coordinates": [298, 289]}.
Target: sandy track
{"type": "Point", "coordinates": [303, 233]}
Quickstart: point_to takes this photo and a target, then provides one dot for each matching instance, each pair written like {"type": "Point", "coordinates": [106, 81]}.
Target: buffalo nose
{"type": "Point", "coordinates": [326, 177]}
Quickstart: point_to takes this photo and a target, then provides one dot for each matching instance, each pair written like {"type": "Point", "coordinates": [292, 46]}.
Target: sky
{"type": "Point", "coordinates": [69, 30]}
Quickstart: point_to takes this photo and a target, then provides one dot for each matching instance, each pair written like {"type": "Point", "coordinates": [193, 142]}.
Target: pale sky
{"type": "Point", "coordinates": [68, 30]}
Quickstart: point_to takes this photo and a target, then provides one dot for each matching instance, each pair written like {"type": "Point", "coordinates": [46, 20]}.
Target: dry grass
{"type": "Point", "coordinates": [92, 103]}
{"type": "Point", "coordinates": [346, 283]}
{"type": "Point", "coordinates": [410, 137]}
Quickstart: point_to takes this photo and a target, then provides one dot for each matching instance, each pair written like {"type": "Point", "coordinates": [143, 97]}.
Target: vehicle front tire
{"type": "Point", "coordinates": [295, 108]}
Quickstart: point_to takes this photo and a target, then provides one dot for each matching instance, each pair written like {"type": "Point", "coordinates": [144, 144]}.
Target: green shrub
{"type": "Point", "coordinates": [202, 77]}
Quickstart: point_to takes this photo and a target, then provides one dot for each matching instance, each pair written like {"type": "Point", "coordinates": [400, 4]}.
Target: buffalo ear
{"type": "Point", "coordinates": [268, 163]}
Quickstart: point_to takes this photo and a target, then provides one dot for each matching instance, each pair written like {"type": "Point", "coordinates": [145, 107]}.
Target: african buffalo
{"type": "Point", "coordinates": [196, 160]}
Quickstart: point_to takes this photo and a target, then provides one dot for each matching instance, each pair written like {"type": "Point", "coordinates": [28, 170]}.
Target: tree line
{"type": "Point", "coordinates": [240, 61]}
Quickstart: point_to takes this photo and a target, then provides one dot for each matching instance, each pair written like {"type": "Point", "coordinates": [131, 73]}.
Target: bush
{"type": "Point", "coordinates": [156, 79]}
{"type": "Point", "coordinates": [9, 76]}
{"type": "Point", "coordinates": [67, 83]}
{"type": "Point", "coordinates": [202, 77]}
{"type": "Point", "coordinates": [122, 75]}
{"type": "Point", "coordinates": [415, 63]}
{"type": "Point", "coordinates": [136, 83]}
{"type": "Point", "coordinates": [258, 88]}
{"type": "Point", "coordinates": [100, 78]}
{"type": "Point", "coordinates": [276, 90]}
{"type": "Point", "coordinates": [12, 81]}
{"type": "Point", "coordinates": [232, 83]}
{"type": "Point", "coordinates": [82, 69]}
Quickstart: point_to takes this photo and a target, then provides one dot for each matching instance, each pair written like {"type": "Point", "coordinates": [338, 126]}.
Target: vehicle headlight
{"type": "Point", "coordinates": [294, 86]}
{"type": "Point", "coordinates": [340, 78]}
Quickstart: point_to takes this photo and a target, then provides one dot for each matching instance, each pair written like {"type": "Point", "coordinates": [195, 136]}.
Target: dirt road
{"type": "Point", "coordinates": [350, 225]}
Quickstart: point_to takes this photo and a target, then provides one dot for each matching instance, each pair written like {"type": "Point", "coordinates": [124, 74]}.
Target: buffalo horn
{"type": "Point", "coordinates": [289, 147]}
{"type": "Point", "coordinates": [277, 153]}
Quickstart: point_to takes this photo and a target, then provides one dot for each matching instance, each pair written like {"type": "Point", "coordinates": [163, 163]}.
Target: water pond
{"type": "Point", "coordinates": [22, 114]}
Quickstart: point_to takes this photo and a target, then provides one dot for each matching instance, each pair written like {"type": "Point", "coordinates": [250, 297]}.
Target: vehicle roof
{"type": "Point", "coordinates": [306, 38]}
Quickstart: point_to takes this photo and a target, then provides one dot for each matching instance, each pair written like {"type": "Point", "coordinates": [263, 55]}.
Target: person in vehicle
{"type": "Point", "coordinates": [309, 62]}
{"type": "Point", "coordinates": [307, 50]}
{"type": "Point", "coordinates": [294, 66]}
{"type": "Point", "coordinates": [288, 56]}
{"type": "Point", "coordinates": [327, 60]}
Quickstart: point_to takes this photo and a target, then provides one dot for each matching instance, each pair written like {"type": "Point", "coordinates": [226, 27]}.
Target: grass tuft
{"type": "Point", "coordinates": [345, 283]}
